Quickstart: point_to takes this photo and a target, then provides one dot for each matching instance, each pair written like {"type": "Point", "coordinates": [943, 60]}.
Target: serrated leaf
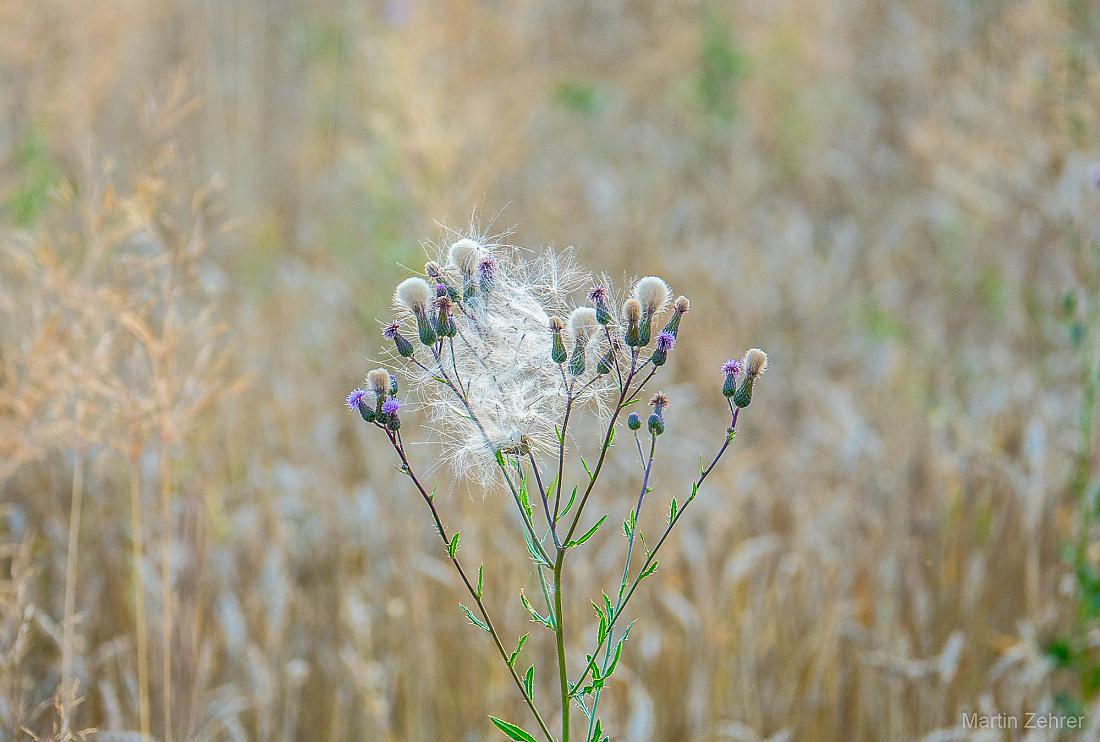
{"type": "Point", "coordinates": [529, 682]}
{"type": "Point", "coordinates": [452, 548]}
{"type": "Point", "coordinates": [596, 732]}
{"type": "Point", "coordinates": [672, 511]}
{"type": "Point", "coordinates": [535, 615]}
{"type": "Point", "coordinates": [587, 534]}
{"type": "Point", "coordinates": [480, 580]}
{"type": "Point", "coordinates": [511, 730]}
{"type": "Point", "coordinates": [519, 646]}
{"type": "Point", "coordinates": [474, 619]}
{"type": "Point", "coordinates": [648, 570]}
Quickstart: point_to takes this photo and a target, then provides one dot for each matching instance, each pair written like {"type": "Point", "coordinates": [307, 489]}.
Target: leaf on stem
{"type": "Point", "coordinates": [480, 580]}
{"type": "Point", "coordinates": [587, 534]}
{"type": "Point", "coordinates": [529, 682]}
{"type": "Point", "coordinates": [511, 730]}
{"type": "Point", "coordinates": [572, 497]}
{"type": "Point", "coordinates": [474, 619]}
{"type": "Point", "coordinates": [519, 646]}
{"type": "Point", "coordinates": [452, 547]}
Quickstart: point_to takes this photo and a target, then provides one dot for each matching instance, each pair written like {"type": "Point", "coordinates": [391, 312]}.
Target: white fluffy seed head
{"type": "Point", "coordinates": [513, 386]}
{"type": "Point", "coordinates": [652, 293]}
{"type": "Point", "coordinates": [414, 294]}
{"type": "Point", "coordinates": [465, 254]}
{"type": "Point", "coordinates": [378, 380]}
{"type": "Point", "coordinates": [582, 321]}
{"type": "Point", "coordinates": [756, 362]}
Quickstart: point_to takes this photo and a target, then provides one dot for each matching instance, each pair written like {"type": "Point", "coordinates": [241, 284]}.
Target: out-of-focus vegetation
{"type": "Point", "coordinates": [890, 197]}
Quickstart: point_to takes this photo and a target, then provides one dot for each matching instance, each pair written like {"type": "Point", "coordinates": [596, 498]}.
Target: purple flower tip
{"type": "Point", "coordinates": [597, 293]}
{"type": "Point", "coordinates": [487, 264]}
{"type": "Point", "coordinates": [354, 398]}
{"type": "Point", "coordinates": [391, 406]}
{"type": "Point", "coordinates": [390, 331]}
{"type": "Point", "coordinates": [731, 367]}
{"type": "Point", "coordinates": [440, 289]}
{"type": "Point", "coordinates": [665, 341]}
{"type": "Point", "coordinates": [1094, 175]}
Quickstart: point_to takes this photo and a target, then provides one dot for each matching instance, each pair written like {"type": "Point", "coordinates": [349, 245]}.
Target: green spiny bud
{"type": "Point", "coordinates": [634, 422]}
{"type": "Point", "coordinates": [557, 350]}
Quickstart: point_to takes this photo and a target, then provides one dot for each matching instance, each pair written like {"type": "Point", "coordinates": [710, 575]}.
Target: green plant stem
{"type": "Point", "coordinates": [612, 620]}
{"type": "Point", "coordinates": [559, 638]}
{"type": "Point", "coordinates": [625, 576]}
{"type": "Point", "coordinates": [395, 441]}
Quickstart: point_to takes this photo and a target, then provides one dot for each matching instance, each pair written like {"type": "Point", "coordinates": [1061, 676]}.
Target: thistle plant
{"type": "Point", "coordinates": [489, 345]}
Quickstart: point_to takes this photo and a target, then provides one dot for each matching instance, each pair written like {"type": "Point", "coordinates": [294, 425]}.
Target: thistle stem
{"type": "Point", "coordinates": [612, 620]}
{"type": "Point", "coordinates": [398, 446]}
{"type": "Point", "coordinates": [559, 638]}
{"type": "Point", "coordinates": [626, 574]}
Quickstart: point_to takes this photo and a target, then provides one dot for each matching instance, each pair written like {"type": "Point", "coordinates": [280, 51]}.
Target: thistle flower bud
{"type": "Point", "coordinates": [681, 307]}
{"type": "Point", "coordinates": [379, 381]}
{"type": "Point", "coordinates": [466, 254]}
{"type": "Point", "coordinates": [415, 295]}
{"type": "Point", "coordinates": [357, 401]}
{"type": "Point", "coordinates": [598, 296]}
{"type": "Point", "coordinates": [393, 386]}
{"type": "Point", "coordinates": [392, 331]}
{"type": "Point", "coordinates": [665, 341]}
{"type": "Point", "coordinates": [755, 364]}
{"type": "Point", "coordinates": [444, 320]}
{"type": "Point", "coordinates": [633, 421]}
{"type": "Point", "coordinates": [486, 273]}
{"type": "Point", "coordinates": [557, 350]}
{"type": "Point", "coordinates": [730, 370]}
{"type": "Point", "coordinates": [436, 272]}
{"type": "Point", "coordinates": [657, 419]}
{"type": "Point", "coordinates": [652, 294]}
{"type": "Point", "coordinates": [632, 310]}
{"type": "Point", "coordinates": [389, 412]}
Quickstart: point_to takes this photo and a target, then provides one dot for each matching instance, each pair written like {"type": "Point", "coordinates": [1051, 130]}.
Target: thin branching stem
{"type": "Point", "coordinates": [626, 573]}
{"type": "Point", "coordinates": [652, 555]}
{"type": "Point", "coordinates": [398, 446]}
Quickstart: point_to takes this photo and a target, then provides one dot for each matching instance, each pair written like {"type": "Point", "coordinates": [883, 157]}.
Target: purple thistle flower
{"type": "Point", "coordinates": [391, 330]}
{"type": "Point", "coordinates": [441, 289]}
{"type": "Point", "coordinates": [390, 406]}
{"type": "Point", "coordinates": [665, 341]}
{"type": "Point", "coordinates": [355, 398]}
{"type": "Point", "coordinates": [731, 367]}
{"type": "Point", "coordinates": [597, 294]}
{"type": "Point", "coordinates": [487, 266]}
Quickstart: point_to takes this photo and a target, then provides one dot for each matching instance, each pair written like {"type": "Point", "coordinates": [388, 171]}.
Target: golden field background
{"type": "Point", "coordinates": [205, 206]}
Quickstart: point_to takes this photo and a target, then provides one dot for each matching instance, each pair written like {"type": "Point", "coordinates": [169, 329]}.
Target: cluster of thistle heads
{"type": "Point", "coordinates": [493, 345]}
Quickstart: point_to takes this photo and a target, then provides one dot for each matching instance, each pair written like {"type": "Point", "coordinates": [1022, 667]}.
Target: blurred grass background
{"type": "Point", "coordinates": [204, 206]}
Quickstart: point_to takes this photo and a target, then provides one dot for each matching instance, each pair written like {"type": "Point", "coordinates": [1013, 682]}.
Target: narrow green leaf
{"type": "Point", "coordinates": [511, 730]}
{"type": "Point", "coordinates": [474, 619]}
{"type": "Point", "coordinates": [561, 438]}
{"type": "Point", "coordinates": [524, 500]}
{"type": "Point", "coordinates": [648, 570]}
{"type": "Point", "coordinates": [515, 654]}
{"type": "Point", "coordinates": [597, 731]}
{"type": "Point", "coordinates": [587, 534]}
{"type": "Point", "coordinates": [534, 552]}
{"type": "Point", "coordinates": [529, 682]}
{"type": "Point", "coordinates": [672, 511]}
{"type": "Point", "coordinates": [452, 548]}
{"type": "Point", "coordinates": [569, 504]}
{"type": "Point", "coordinates": [480, 580]}
{"type": "Point", "coordinates": [500, 458]}
{"type": "Point", "coordinates": [586, 469]}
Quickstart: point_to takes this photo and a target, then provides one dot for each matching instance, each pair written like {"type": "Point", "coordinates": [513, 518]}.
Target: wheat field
{"type": "Point", "coordinates": [204, 207]}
